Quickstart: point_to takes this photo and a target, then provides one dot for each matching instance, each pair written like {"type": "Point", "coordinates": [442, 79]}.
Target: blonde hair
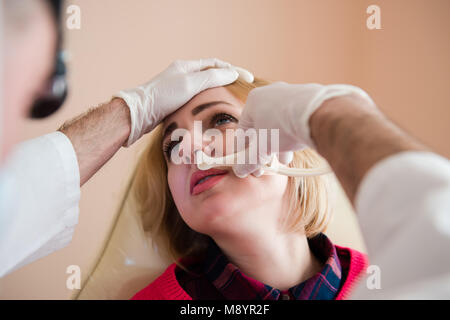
{"type": "Point", "coordinates": [309, 205]}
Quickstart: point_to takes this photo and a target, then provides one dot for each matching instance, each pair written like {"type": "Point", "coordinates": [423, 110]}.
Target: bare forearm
{"type": "Point", "coordinates": [97, 135]}
{"type": "Point", "coordinates": [353, 135]}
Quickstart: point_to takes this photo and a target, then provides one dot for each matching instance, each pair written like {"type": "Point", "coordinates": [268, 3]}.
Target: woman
{"type": "Point", "coordinates": [237, 238]}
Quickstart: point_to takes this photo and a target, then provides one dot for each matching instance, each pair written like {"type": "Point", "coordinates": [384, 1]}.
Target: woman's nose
{"type": "Point", "coordinates": [190, 145]}
{"type": "Point", "coordinates": [203, 145]}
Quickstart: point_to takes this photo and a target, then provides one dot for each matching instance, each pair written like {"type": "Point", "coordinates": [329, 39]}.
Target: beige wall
{"type": "Point", "coordinates": [404, 66]}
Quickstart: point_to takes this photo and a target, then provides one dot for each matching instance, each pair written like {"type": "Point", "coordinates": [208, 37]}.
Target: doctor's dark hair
{"type": "Point", "coordinates": [19, 15]}
{"type": "Point", "coordinates": [20, 18]}
{"type": "Point", "coordinates": [55, 8]}
{"type": "Point", "coordinates": [149, 196]}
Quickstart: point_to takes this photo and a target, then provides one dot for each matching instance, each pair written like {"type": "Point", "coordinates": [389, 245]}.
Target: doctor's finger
{"type": "Point", "coordinates": [244, 74]}
{"type": "Point", "coordinates": [286, 157]}
{"type": "Point", "coordinates": [243, 170]}
{"type": "Point", "coordinates": [199, 65]}
{"type": "Point", "coordinates": [211, 78]}
{"type": "Point", "coordinates": [258, 173]}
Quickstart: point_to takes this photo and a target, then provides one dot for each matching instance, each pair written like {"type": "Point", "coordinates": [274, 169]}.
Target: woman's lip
{"type": "Point", "coordinates": [208, 184]}
{"type": "Point", "coordinates": [200, 174]}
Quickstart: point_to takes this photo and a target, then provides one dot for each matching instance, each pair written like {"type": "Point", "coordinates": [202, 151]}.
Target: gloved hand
{"type": "Point", "coordinates": [172, 88]}
{"type": "Point", "coordinates": [286, 107]}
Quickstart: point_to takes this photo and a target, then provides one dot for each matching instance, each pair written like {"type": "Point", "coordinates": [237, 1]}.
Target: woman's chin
{"type": "Point", "coordinates": [219, 206]}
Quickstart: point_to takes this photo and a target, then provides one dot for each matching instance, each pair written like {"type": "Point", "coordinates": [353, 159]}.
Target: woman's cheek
{"type": "Point", "coordinates": [176, 179]}
{"type": "Point", "coordinates": [269, 187]}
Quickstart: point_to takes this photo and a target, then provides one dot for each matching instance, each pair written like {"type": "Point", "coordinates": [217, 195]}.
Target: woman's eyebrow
{"type": "Point", "coordinates": [204, 106]}
{"type": "Point", "coordinates": [173, 125]}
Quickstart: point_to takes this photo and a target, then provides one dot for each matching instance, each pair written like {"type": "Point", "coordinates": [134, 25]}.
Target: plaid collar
{"type": "Point", "coordinates": [232, 284]}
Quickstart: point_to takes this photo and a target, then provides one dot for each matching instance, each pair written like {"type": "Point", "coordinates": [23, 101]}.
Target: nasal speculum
{"type": "Point", "coordinates": [205, 162]}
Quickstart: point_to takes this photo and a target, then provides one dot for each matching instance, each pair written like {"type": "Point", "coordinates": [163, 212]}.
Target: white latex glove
{"type": "Point", "coordinates": [286, 107]}
{"type": "Point", "coordinates": [174, 87]}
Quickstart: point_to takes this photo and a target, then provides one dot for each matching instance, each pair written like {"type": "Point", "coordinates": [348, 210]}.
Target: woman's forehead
{"type": "Point", "coordinates": [204, 97]}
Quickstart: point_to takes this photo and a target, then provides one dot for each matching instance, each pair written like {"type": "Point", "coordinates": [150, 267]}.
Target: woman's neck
{"type": "Point", "coordinates": [278, 260]}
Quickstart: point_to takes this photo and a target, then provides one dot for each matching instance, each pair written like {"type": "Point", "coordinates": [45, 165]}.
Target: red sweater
{"type": "Point", "coordinates": [166, 286]}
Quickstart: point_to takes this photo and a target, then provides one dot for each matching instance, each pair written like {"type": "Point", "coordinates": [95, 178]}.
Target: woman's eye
{"type": "Point", "coordinates": [168, 146]}
{"type": "Point", "coordinates": [218, 119]}
{"type": "Point", "coordinates": [222, 118]}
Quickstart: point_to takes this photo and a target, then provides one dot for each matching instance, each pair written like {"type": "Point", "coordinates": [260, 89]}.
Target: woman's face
{"type": "Point", "coordinates": [222, 204]}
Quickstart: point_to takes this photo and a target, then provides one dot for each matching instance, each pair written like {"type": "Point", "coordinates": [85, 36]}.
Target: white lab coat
{"type": "Point", "coordinates": [403, 207]}
{"type": "Point", "coordinates": [45, 175]}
